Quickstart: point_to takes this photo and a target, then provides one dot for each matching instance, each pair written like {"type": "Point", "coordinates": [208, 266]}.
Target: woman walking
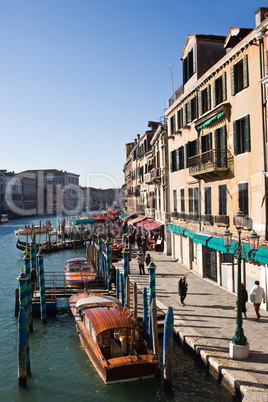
{"type": "Point", "coordinates": [183, 287]}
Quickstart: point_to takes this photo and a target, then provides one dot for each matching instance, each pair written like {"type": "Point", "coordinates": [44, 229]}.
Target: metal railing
{"type": "Point", "coordinates": [211, 160]}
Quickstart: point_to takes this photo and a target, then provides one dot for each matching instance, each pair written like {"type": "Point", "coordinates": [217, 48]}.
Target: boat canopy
{"type": "Point", "coordinates": [88, 300]}
{"type": "Point", "coordinates": [76, 259]}
{"type": "Point", "coordinates": [105, 318]}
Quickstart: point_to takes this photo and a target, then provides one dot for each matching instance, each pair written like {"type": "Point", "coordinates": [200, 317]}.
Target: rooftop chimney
{"type": "Point", "coordinates": [138, 135]}
{"type": "Point", "coordinates": [260, 15]}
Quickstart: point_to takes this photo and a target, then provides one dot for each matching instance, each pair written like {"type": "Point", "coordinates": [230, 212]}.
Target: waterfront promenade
{"type": "Point", "coordinates": [207, 324]}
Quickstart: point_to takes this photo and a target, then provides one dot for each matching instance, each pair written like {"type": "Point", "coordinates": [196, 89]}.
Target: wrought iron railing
{"type": "Point", "coordinates": [211, 160]}
{"type": "Point", "coordinates": [207, 219]}
{"type": "Point", "coordinates": [222, 220]}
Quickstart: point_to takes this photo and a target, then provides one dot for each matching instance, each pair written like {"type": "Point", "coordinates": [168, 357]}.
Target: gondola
{"type": "Point", "coordinates": [47, 247]}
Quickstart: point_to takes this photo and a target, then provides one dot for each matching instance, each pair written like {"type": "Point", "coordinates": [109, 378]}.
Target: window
{"type": "Point", "coordinates": [239, 75]}
{"type": "Point", "coordinates": [206, 145]}
{"type": "Point", "coordinates": [207, 200]}
{"type": "Point", "coordinates": [193, 194]}
{"type": "Point", "coordinates": [191, 199]}
{"type": "Point", "coordinates": [204, 103]}
{"type": "Point", "coordinates": [196, 200]}
{"type": "Point", "coordinates": [241, 135]}
{"type": "Point", "coordinates": [173, 161]}
{"type": "Point", "coordinates": [180, 118]}
{"type": "Point", "coordinates": [219, 90]}
{"type": "Point", "coordinates": [220, 147]}
{"type": "Point", "coordinates": [175, 200]}
{"type": "Point", "coordinates": [182, 200]}
{"type": "Point", "coordinates": [243, 197]}
{"type": "Point", "coordinates": [189, 65]}
{"type": "Point", "coordinates": [172, 124]}
{"type": "Point", "coordinates": [223, 199]}
{"type": "Point", "coordinates": [191, 149]}
{"type": "Point", "coordinates": [193, 108]}
{"type": "Point", "coordinates": [181, 158]}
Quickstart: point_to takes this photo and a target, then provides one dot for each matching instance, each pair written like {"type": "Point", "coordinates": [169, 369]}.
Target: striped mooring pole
{"type": "Point", "coordinates": [145, 312]}
{"type": "Point", "coordinates": [108, 259]}
{"type": "Point", "coordinates": [27, 260]}
{"type": "Point", "coordinates": [33, 251]}
{"type": "Point", "coordinates": [122, 289]}
{"type": "Point", "coordinates": [117, 283]}
{"type": "Point", "coordinates": [125, 253]}
{"type": "Point", "coordinates": [151, 269]}
{"type": "Point", "coordinates": [99, 253]}
{"type": "Point", "coordinates": [22, 346]}
{"type": "Point", "coordinates": [23, 291]}
{"type": "Point", "coordinates": [43, 308]}
{"type": "Point", "coordinates": [168, 347]}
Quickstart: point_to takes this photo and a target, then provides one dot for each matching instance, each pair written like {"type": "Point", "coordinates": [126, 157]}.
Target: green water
{"type": "Point", "coordinates": [60, 369]}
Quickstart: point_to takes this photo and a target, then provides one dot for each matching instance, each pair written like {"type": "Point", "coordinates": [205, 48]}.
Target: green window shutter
{"type": "Point", "coordinates": [209, 96]}
{"type": "Point", "coordinates": [209, 141]}
{"type": "Point", "coordinates": [184, 115]}
{"type": "Point", "coordinates": [224, 142]}
{"type": "Point", "coordinates": [235, 137]}
{"type": "Point", "coordinates": [200, 108]}
{"type": "Point", "coordinates": [196, 147]}
{"type": "Point", "coordinates": [194, 59]}
{"type": "Point", "coordinates": [232, 80]}
{"type": "Point", "coordinates": [247, 134]}
{"type": "Point", "coordinates": [245, 71]}
{"type": "Point", "coordinates": [214, 93]}
{"type": "Point", "coordinates": [186, 147]}
{"type": "Point", "coordinates": [171, 161]}
{"type": "Point", "coordinates": [224, 88]}
{"type": "Point", "coordinates": [177, 165]}
{"type": "Point", "coordinates": [189, 113]}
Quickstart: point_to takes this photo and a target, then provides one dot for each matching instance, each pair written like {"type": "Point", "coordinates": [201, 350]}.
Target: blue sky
{"type": "Point", "coordinates": [79, 78]}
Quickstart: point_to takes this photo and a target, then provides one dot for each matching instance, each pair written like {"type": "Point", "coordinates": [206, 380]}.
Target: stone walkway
{"type": "Point", "coordinates": [207, 324]}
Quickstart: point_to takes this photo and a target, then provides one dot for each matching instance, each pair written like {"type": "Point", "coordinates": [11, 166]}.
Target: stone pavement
{"type": "Point", "coordinates": [207, 324]}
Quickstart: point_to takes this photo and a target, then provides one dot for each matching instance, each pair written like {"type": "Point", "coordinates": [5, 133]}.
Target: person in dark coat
{"type": "Point", "coordinates": [244, 299]}
{"type": "Point", "coordinates": [141, 260]}
{"type": "Point", "coordinates": [182, 288]}
{"type": "Point", "coordinates": [148, 259]}
{"type": "Point", "coordinates": [112, 276]}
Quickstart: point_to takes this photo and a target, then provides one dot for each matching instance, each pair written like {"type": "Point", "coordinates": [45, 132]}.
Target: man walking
{"type": "Point", "coordinates": [141, 260]}
{"type": "Point", "coordinates": [257, 295]}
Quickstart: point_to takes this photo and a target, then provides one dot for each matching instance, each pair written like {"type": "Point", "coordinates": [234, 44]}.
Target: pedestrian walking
{"type": "Point", "coordinates": [182, 289]}
{"type": "Point", "coordinates": [244, 299]}
{"type": "Point", "coordinates": [257, 295]}
{"type": "Point", "coordinates": [141, 260]}
{"type": "Point", "coordinates": [148, 259]}
{"type": "Point", "coordinates": [112, 276]}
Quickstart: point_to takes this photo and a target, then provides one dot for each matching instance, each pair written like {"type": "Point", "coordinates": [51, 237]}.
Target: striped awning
{"type": "Point", "coordinates": [200, 238]}
{"type": "Point", "coordinates": [208, 121]}
{"type": "Point", "coordinates": [135, 220]}
{"type": "Point", "coordinates": [175, 229]}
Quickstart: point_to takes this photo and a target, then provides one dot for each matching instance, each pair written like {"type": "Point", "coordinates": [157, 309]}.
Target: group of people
{"type": "Point", "coordinates": [257, 296]}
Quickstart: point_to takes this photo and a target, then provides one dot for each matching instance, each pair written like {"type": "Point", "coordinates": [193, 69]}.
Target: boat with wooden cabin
{"type": "Point", "coordinates": [111, 338]}
{"type": "Point", "coordinates": [79, 272]}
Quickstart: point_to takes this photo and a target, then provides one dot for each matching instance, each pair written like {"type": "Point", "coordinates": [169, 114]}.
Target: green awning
{"type": "Point", "coordinates": [208, 121]}
{"type": "Point", "coordinates": [261, 255]}
{"type": "Point", "coordinates": [175, 229]}
{"type": "Point", "coordinates": [189, 234]}
{"type": "Point", "coordinates": [216, 243]}
{"type": "Point", "coordinates": [122, 216]}
{"type": "Point", "coordinates": [202, 239]}
{"type": "Point", "coordinates": [83, 221]}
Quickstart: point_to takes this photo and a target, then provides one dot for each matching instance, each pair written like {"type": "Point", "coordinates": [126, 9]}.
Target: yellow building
{"type": "Point", "coordinates": [217, 145]}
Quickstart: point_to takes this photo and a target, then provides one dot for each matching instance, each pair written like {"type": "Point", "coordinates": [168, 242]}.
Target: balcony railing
{"type": "Point", "coordinates": [215, 162]}
{"type": "Point", "coordinates": [222, 220]}
{"type": "Point", "coordinates": [150, 212]}
{"type": "Point", "coordinates": [147, 177]}
{"type": "Point", "coordinates": [207, 219]}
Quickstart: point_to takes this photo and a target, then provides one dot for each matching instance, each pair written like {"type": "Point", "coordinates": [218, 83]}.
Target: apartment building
{"type": "Point", "coordinates": [217, 141]}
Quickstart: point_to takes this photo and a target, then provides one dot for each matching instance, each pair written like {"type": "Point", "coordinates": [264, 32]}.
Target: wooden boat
{"type": "Point", "coordinates": [79, 272]}
{"type": "Point", "coordinates": [47, 247]}
{"type": "Point", "coordinates": [31, 230]}
{"type": "Point", "coordinates": [112, 338]}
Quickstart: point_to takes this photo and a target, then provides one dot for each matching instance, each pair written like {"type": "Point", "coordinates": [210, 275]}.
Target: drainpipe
{"type": "Point", "coordinates": [263, 108]}
{"type": "Point", "coordinates": [199, 189]}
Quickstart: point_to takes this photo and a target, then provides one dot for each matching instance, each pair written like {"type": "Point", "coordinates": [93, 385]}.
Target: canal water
{"type": "Point", "coordinates": [60, 369]}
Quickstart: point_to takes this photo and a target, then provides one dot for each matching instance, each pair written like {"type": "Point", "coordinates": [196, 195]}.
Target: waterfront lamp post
{"type": "Point", "coordinates": [239, 347]}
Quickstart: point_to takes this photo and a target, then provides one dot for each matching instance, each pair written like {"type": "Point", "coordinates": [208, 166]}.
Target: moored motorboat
{"type": "Point", "coordinates": [111, 338]}
{"type": "Point", "coordinates": [79, 272]}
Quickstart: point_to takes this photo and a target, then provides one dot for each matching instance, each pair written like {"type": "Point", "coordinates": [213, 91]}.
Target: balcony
{"type": "Point", "coordinates": [147, 177]}
{"type": "Point", "coordinates": [222, 220]}
{"type": "Point", "coordinates": [156, 174]}
{"type": "Point", "coordinates": [150, 212]}
{"type": "Point", "coordinates": [213, 163]}
{"type": "Point", "coordinates": [207, 219]}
